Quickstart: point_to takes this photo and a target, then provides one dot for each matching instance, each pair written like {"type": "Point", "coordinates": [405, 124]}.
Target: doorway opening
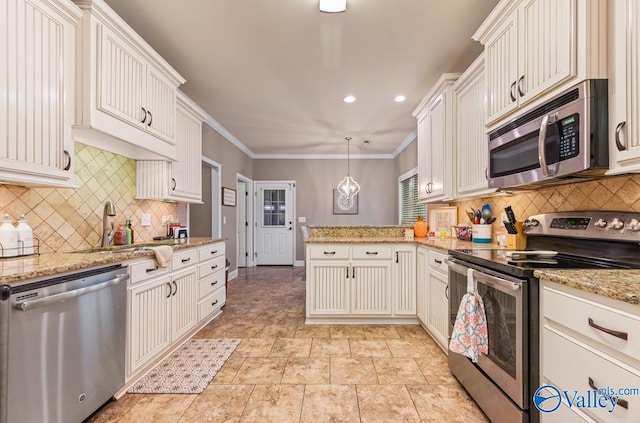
{"type": "Point", "coordinates": [275, 216]}
{"type": "Point", "coordinates": [244, 221]}
{"type": "Point", "coordinates": [205, 218]}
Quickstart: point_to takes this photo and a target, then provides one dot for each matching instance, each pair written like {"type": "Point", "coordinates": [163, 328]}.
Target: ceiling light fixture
{"type": "Point", "coordinates": [348, 187]}
{"type": "Point", "coordinates": [399, 98]}
{"type": "Point", "coordinates": [349, 99]}
{"type": "Point", "coordinates": [333, 6]}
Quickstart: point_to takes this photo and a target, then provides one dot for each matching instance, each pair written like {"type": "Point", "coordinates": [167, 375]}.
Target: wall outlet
{"type": "Point", "coordinates": [302, 219]}
{"type": "Point", "coordinates": [145, 219]}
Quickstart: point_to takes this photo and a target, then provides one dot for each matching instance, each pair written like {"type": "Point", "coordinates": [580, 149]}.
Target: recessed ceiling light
{"type": "Point", "coordinates": [349, 99]}
{"type": "Point", "coordinates": [333, 6]}
{"type": "Point", "coordinates": [399, 99]}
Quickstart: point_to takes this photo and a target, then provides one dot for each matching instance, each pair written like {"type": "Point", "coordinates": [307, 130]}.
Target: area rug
{"type": "Point", "coordinates": [189, 369]}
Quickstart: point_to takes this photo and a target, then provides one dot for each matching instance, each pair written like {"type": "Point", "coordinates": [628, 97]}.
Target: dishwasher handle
{"type": "Point", "coordinates": [28, 305]}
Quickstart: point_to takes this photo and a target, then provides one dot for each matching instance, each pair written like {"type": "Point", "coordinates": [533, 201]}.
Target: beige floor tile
{"type": "Point", "coordinates": [221, 403]}
{"type": "Point", "coordinates": [260, 371]}
{"type": "Point", "coordinates": [346, 331]}
{"type": "Point", "coordinates": [114, 411]}
{"type": "Point", "coordinates": [448, 403]}
{"type": "Point", "coordinates": [398, 371]}
{"type": "Point", "coordinates": [411, 331]}
{"type": "Point", "coordinates": [277, 330]}
{"type": "Point", "coordinates": [435, 369]}
{"type": "Point", "coordinates": [274, 403]}
{"type": "Point", "coordinates": [306, 371]}
{"type": "Point", "coordinates": [328, 347]}
{"type": "Point", "coordinates": [291, 347]}
{"type": "Point", "coordinates": [312, 331]}
{"type": "Point", "coordinates": [380, 331]}
{"type": "Point", "coordinates": [228, 371]}
{"type": "Point", "coordinates": [369, 348]}
{"type": "Point", "coordinates": [255, 347]}
{"type": "Point", "coordinates": [407, 347]}
{"type": "Point", "coordinates": [386, 403]}
{"type": "Point", "coordinates": [346, 371]}
{"type": "Point", "coordinates": [330, 404]}
{"type": "Point", "coordinates": [158, 408]}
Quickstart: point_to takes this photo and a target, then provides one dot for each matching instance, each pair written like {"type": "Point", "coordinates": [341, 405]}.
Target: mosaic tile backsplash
{"type": "Point", "coordinates": [65, 219]}
{"type": "Point", "coordinates": [620, 193]}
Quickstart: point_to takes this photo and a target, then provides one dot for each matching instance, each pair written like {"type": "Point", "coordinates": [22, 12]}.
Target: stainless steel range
{"type": "Point", "coordinates": [503, 380]}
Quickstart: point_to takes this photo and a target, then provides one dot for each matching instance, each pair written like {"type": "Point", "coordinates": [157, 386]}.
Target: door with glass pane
{"type": "Point", "coordinates": [274, 226]}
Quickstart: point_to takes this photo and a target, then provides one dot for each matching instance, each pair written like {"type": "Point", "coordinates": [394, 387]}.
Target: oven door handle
{"type": "Point", "coordinates": [483, 277]}
{"type": "Point", "coordinates": [542, 156]}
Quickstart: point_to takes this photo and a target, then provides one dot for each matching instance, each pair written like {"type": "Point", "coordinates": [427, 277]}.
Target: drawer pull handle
{"type": "Point", "coordinates": [214, 283]}
{"type": "Point", "coordinates": [372, 253]}
{"type": "Point", "coordinates": [214, 303]}
{"type": "Point", "coordinates": [214, 252]}
{"type": "Point", "coordinates": [438, 261]}
{"type": "Point", "coordinates": [617, 334]}
{"type": "Point", "coordinates": [214, 267]}
{"type": "Point", "coordinates": [619, 401]}
{"type": "Point", "coordinates": [397, 256]}
{"type": "Point", "coordinates": [186, 260]}
{"type": "Point", "coordinates": [329, 253]}
{"type": "Point", "coordinates": [151, 270]}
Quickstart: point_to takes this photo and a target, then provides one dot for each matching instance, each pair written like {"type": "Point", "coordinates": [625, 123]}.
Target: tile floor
{"type": "Point", "coordinates": [285, 371]}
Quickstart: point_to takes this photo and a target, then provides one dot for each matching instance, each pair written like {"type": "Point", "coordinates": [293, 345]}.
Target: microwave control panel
{"type": "Point", "coordinates": [569, 127]}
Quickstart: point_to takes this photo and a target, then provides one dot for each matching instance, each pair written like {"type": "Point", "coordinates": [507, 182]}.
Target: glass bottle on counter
{"type": "Point", "coordinates": [128, 224]}
{"type": "Point", "coordinates": [127, 231]}
{"type": "Point", "coordinates": [121, 236]}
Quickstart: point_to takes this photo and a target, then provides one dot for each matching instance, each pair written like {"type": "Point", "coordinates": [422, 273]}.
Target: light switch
{"type": "Point", "coordinates": [145, 219]}
{"type": "Point", "coordinates": [302, 219]}
{"type": "Point", "coordinates": [224, 220]}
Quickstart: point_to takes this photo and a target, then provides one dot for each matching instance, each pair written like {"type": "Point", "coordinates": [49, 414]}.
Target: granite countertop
{"type": "Point", "coordinates": [622, 284]}
{"type": "Point", "coordinates": [440, 243]}
{"type": "Point", "coordinates": [13, 270]}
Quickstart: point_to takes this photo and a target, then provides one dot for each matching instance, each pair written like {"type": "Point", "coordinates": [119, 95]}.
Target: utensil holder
{"type": "Point", "coordinates": [481, 233]}
{"type": "Point", "coordinates": [517, 241]}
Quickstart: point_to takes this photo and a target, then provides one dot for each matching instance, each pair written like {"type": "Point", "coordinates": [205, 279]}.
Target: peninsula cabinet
{"type": "Point", "coordinates": [624, 88]}
{"type": "Point", "coordinates": [179, 180]}
{"type": "Point", "coordinates": [37, 91]}
{"type": "Point", "coordinates": [470, 138]}
{"type": "Point", "coordinates": [127, 95]}
{"type": "Point", "coordinates": [596, 345]}
{"type": "Point", "coordinates": [435, 116]}
{"type": "Point", "coordinates": [364, 283]}
{"type": "Point", "coordinates": [437, 297]}
{"type": "Point", "coordinates": [534, 48]}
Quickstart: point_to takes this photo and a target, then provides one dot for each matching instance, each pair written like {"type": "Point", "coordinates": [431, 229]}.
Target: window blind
{"type": "Point", "coordinates": [410, 209]}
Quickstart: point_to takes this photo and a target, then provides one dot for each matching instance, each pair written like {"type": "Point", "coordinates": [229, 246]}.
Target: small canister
{"type": "Point", "coordinates": [25, 235]}
{"type": "Point", "coordinates": [481, 233]}
{"type": "Point", "coordinates": [8, 238]}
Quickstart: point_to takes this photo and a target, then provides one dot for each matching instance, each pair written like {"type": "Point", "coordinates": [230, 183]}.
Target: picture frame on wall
{"type": "Point", "coordinates": [343, 206]}
{"type": "Point", "coordinates": [228, 197]}
{"type": "Point", "coordinates": [442, 219]}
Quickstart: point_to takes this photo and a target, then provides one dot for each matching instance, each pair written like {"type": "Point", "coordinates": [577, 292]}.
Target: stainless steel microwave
{"type": "Point", "coordinates": [563, 140]}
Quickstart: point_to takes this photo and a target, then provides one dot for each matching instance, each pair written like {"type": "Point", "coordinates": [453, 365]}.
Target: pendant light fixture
{"type": "Point", "coordinates": [348, 187]}
{"type": "Point", "coordinates": [333, 6]}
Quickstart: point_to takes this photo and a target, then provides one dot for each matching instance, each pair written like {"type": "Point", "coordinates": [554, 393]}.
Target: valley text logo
{"type": "Point", "coordinates": [548, 398]}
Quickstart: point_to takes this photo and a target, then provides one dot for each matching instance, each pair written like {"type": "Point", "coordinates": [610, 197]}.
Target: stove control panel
{"type": "Point", "coordinates": [602, 225]}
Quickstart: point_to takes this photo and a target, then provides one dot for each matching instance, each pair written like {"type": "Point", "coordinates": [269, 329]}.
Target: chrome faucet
{"type": "Point", "coordinates": [108, 233]}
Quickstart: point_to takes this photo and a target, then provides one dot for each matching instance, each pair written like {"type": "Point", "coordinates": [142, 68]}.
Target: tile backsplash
{"type": "Point", "coordinates": [65, 219]}
{"type": "Point", "coordinates": [620, 193]}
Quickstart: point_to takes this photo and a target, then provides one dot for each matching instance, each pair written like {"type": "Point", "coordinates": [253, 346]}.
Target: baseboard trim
{"type": "Point", "coordinates": [233, 274]}
{"type": "Point", "coordinates": [299, 263]}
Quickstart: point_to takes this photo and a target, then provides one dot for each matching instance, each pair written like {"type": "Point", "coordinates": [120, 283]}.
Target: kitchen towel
{"type": "Point", "coordinates": [469, 336]}
{"type": "Point", "coordinates": [163, 255]}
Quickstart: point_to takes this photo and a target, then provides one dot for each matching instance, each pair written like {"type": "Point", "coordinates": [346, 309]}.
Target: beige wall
{"type": "Point", "coordinates": [316, 179]}
{"type": "Point", "coordinates": [233, 161]}
{"type": "Point", "coordinates": [66, 219]}
{"type": "Point", "coordinates": [404, 162]}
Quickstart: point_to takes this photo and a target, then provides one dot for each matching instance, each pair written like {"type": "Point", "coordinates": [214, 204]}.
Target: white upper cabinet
{"type": "Point", "coordinates": [624, 86]}
{"type": "Point", "coordinates": [534, 48]}
{"type": "Point", "coordinates": [127, 97]}
{"type": "Point", "coordinates": [435, 115]}
{"type": "Point", "coordinates": [37, 77]}
{"type": "Point", "coordinates": [179, 180]}
{"type": "Point", "coordinates": [471, 150]}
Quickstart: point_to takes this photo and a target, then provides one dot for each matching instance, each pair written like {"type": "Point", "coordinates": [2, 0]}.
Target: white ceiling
{"type": "Point", "coordinates": [274, 72]}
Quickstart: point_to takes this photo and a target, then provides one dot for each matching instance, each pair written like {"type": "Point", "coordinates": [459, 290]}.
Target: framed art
{"type": "Point", "coordinates": [343, 206]}
{"type": "Point", "coordinates": [228, 197]}
{"type": "Point", "coordinates": [442, 219]}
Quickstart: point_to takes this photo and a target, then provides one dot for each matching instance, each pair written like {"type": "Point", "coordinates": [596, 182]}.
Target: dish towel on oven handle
{"type": "Point", "coordinates": [469, 336]}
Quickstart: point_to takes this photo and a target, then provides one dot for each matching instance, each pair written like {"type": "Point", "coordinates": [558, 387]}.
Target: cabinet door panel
{"type": "Point", "coordinates": [502, 71]}
{"type": "Point", "coordinates": [327, 288]}
{"type": "Point", "coordinates": [424, 157]}
{"type": "Point", "coordinates": [438, 308]}
{"type": "Point", "coordinates": [160, 101]}
{"type": "Point", "coordinates": [546, 47]}
{"type": "Point", "coordinates": [436, 137]}
{"type": "Point", "coordinates": [421, 285]}
{"type": "Point", "coordinates": [371, 288]}
{"type": "Point", "coordinates": [187, 170]}
{"type": "Point", "coordinates": [184, 299]}
{"type": "Point", "coordinates": [121, 80]}
{"type": "Point", "coordinates": [405, 282]}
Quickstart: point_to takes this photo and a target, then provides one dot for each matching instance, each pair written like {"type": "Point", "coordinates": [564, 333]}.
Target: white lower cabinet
{"type": "Point", "coordinates": [437, 309]}
{"type": "Point", "coordinates": [592, 347]}
{"type": "Point", "coordinates": [183, 312]}
{"type": "Point", "coordinates": [366, 283]}
{"type": "Point", "coordinates": [421, 284]}
{"type": "Point", "coordinates": [212, 293]}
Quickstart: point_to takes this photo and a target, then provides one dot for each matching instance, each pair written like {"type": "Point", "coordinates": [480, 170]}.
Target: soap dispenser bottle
{"type": "Point", "coordinates": [8, 238]}
{"type": "Point", "coordinates": [25, 236]}
{"type": "Point", "coordinates": [121, 236]}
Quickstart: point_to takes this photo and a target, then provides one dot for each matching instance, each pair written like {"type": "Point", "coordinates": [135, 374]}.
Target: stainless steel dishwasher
{"type": "Point", "coordinates": [62, 345]}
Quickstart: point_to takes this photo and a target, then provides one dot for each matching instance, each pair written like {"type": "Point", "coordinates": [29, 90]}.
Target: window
{"type": "Point", "coordinates": [410, 209]}
{"type": "Point", "coordinates": [274, 207]}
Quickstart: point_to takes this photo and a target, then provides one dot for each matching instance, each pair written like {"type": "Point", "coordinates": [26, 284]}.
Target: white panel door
{"type": "Point", "coordinates": [274, 226]}
{"type": "Point", "coordinates": [242, 221]}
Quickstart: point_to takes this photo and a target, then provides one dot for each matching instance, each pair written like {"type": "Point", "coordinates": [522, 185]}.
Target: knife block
{"type": "Point", "coordinates": [517, 241]}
